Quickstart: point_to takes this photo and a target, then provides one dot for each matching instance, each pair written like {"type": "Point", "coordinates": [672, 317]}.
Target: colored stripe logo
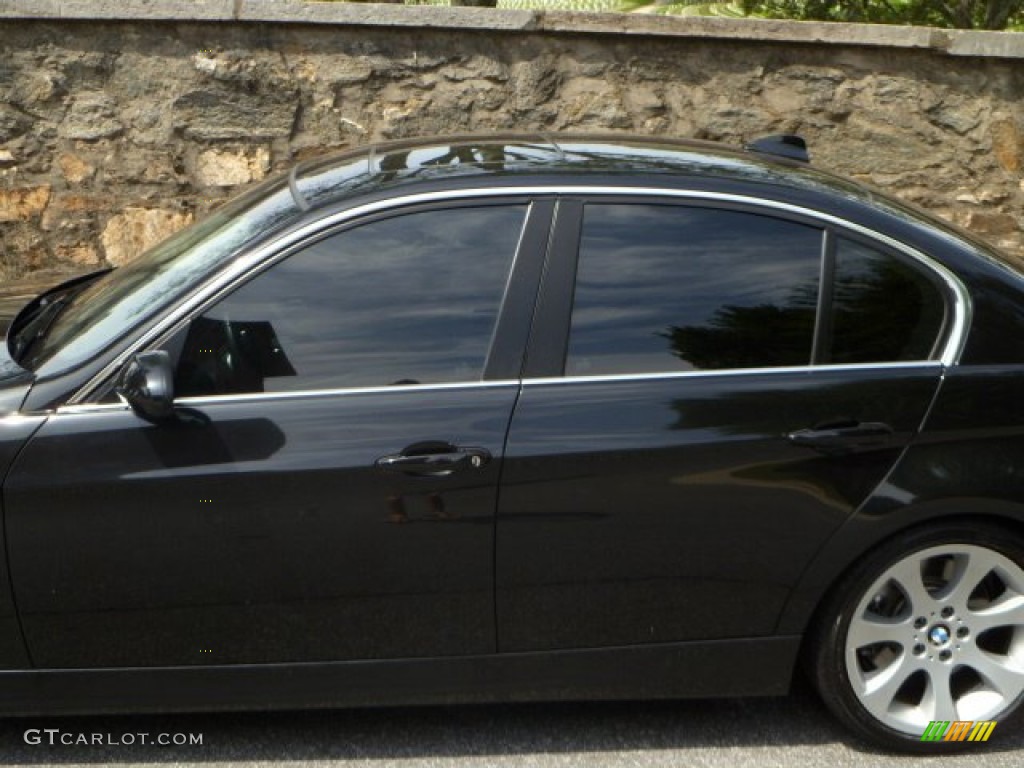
{"type": "Point", "coordinates": [958, 730]}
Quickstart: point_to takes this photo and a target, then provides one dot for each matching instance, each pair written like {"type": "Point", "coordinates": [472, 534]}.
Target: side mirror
{"type": "Point", "coordinates": [147, 383]}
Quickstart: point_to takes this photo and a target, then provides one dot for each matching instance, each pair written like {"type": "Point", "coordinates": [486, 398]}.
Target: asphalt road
{"type": "Point", "coordinates": [791, 731]}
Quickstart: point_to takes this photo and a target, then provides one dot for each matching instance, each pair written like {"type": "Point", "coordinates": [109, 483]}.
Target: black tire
{"type": "Point", "coordinates": [825, 650]}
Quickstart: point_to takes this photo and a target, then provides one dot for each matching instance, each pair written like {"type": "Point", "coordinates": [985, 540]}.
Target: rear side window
{"type": "Point", "coordinates": [667, 288]}
{"type": "Point", "coordinates": [883, 309]}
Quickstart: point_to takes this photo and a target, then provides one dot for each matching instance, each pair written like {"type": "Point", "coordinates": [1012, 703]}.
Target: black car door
{"type": "Point", "coordinates": [729, 384]}
{"type": "Point", "coordinates": [328, 488]}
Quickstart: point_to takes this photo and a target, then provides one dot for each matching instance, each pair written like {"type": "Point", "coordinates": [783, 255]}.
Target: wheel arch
{"type": "Point", "coordinates": [863, 532]}
{"type": "Point", "coordinates": [824, 655]}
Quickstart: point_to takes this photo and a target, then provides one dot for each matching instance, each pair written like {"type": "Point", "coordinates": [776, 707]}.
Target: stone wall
{"type": "Point", "coordinates": [116, 131]}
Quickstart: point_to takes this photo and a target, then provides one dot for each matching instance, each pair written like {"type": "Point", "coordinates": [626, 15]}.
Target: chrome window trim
{"type": "Point", "coordinates": [668, 375]}
{"type": "Point", "coordinates": [279, 248]}
{"type": "Point", "coordinates": [300, 394]}
{"type": "Point", "coordinates": [925, 365]}
{"type": "Point", "coordinates": [73, 410]}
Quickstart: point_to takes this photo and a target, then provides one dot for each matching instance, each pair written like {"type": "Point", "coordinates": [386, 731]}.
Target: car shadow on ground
{"type": "Point", "coordinates": [438, 735]}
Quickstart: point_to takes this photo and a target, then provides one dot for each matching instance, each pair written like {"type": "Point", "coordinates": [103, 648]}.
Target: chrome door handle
{"type": "Point", "coordinates": [439, 464]}
{"type": "Point", "coordinates": [845, 438]}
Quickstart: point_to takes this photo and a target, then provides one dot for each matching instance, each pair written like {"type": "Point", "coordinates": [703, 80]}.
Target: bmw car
{"type": "Point", "coordinates": [523, 417]}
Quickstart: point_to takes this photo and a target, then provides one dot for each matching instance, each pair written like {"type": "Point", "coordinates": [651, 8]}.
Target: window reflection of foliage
{"type": "Point", "coordinates": [762, 335]}
{"type": "Point", "coordinates": [882, 314]}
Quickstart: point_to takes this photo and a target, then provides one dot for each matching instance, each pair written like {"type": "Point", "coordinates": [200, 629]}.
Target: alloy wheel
{"type": "Point", "coordinates": [939, 636]}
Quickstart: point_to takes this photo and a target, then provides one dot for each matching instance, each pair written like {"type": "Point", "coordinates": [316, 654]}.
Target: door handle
{"type": "Point", "coordinates": [436, 464]}
{"type": "Point", "coordinates": [843, 438]}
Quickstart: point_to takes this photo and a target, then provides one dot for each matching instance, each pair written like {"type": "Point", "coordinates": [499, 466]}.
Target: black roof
{"type": "Point", "coordinates": [537, 160]}
{"type": "Point", "coordinates": [515, 157]}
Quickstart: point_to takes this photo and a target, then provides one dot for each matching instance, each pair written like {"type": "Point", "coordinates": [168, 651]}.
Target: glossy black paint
{"type": "Point", "coordinates": [15, 431]}
{"type": "Point", "coordinates": [147, 385]}
{"type": "Point", "coordinates": [257, 532]}
{"type": "Point", "coordinates": [968, 462]}
{"type": "Point", "coordinates": [11, 325]}
{"type": "Point", "coordinates": [677, 509]}
{"type": "Point", "coordinates": [655, 672]}
{"type": "Point", "coordinates": [621, 538]}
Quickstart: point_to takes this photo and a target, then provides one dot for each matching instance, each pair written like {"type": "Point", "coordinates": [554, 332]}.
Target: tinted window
{"type": "Point", "coordinates": [126, 296]}
{"type": "Point", "coordinates": [673, 288]}
{"type": "Point", "coordinates": [883, 310]}
{"type": "Point", "coordinates": [405, 300]}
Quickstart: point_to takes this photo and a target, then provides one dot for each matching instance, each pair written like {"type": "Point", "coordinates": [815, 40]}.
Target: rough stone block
{"type": "Point", "coordinates": [93, 115]}
{"type": "Point", "coordinates": [128, 234]}
{"type": "Point", "coordinates": [81, 254]}
{"type": "Point", "coordinates": [1006, 144]}
{"type": "Point", "coordinates": [17, 204]}
{"type": "Point", "coordinates": [227, 168]}
{"type": "Point", "coordinates": [987, 223]}
{"type": "Point", "coordinates": [207, 114]}
{"type": "Point", "coordinates": [75, 169]}
{"type": "Point", "coordinates": [13, 123]}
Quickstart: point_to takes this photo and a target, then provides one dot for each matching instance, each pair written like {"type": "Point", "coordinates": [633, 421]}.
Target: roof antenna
{"type": "Point", "coordinates": [787, 145]}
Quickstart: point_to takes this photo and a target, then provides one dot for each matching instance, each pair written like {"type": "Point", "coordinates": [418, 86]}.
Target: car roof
{"type": "Point", "coordinates": [537, 160]}
{"type": "Point", "coordinates": [544, 158]}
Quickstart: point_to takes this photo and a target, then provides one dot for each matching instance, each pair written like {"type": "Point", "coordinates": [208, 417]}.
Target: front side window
{"type": "Point", "coordinates": [668, 288]}
{"type": "Point", "coordinates": [411, 299]}
{"type": "Point", "coordinates": [89, 320]}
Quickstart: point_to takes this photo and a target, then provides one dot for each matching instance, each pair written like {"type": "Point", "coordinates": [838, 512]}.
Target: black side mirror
{"type": "Point", "coordinates": [147, 383]}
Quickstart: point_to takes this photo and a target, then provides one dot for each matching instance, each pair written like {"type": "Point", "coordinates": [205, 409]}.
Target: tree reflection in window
{"type": "Point", "coordinates": [664, 288]}
{"type": "Point", "coordinates": [765, 335]}
{"type": "Point", "coordinates": [883, 310]}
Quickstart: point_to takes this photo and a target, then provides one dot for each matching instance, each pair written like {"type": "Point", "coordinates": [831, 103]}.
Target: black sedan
{"type": "Point", "coordinates": [526, 417]}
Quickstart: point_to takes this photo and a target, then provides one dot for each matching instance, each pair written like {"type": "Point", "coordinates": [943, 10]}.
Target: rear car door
{"type": "Point", "coordinates": [328, 489]}
{"type": "Point", "coordinates": [712, 388]}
